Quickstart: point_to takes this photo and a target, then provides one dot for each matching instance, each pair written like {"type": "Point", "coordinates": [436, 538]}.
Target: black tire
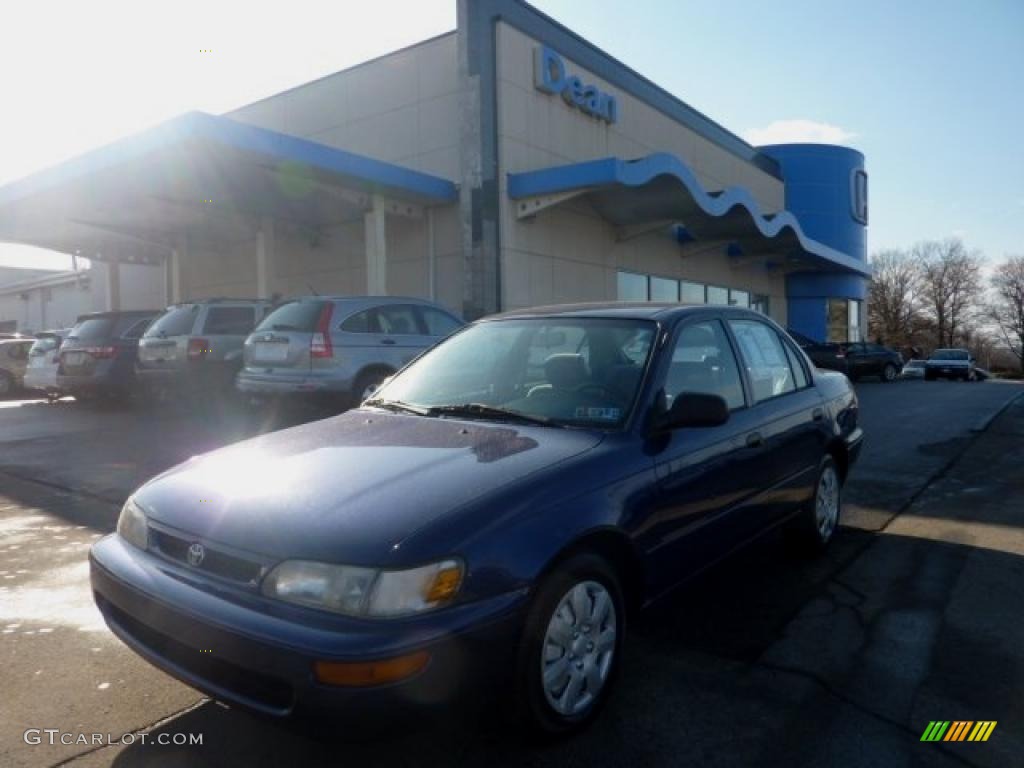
{"type": "Point", "coordinates": [533, 705]}
{"type": "Point", "coordinates": [889, 373]}
{"type": "Point", "coordinates": [366, 380]}
{"type": "Point", "coordinates": [808, 533]}
{"type": "Point", "coordinates": [929, 376]}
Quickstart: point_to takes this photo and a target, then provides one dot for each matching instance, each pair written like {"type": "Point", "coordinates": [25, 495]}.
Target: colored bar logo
{"type": "Point", "coordinates": [958, 730]}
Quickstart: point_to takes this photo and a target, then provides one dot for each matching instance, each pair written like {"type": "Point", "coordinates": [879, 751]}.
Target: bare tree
{"type": "Point", "coordinates": [950, 285]}
{"type": "Point", "coordinates": [893, 304]}
{"type": "Point", "coordinates": [1007, 308]}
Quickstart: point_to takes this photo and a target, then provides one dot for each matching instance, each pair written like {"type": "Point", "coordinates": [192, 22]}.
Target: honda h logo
{"type": "Point", "coordinates": [196, 555]}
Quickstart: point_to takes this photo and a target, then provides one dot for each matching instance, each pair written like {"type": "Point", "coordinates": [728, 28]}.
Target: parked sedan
{"type": "Point", "coordinates": [97, 359]}
{"type": "Point", "coordinates": [950, 364]}
{"type": "Point", "coordinates": [13, 361]}
{"type": "Point", "coordinates": [43, 362]}
{"type": "Point", "coordinates": [340, 347]}
{"type": "Point", "coordinates": [496, 512]}
{"type": "Point", "coordinates": [856, 359]}
{"type": "Point", "coordinates": [913, 369]}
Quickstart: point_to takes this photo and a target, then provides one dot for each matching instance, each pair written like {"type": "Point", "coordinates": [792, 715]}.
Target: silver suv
{"type": "Point", "coordinates": [196, 347]}
{"type": "Point", "coordinates": [339, 346]}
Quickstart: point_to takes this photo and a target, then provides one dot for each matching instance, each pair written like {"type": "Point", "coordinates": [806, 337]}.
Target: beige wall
{"type": "Point", "coordinates": [401, 108]}
{"type": "Point", "coordinates": [568, 253]}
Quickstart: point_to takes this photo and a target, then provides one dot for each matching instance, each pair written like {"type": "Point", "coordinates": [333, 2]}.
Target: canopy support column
{"type": "Point", "coordinates": [173, 281]}
{"type": "Point", "coordinates": [113, 270]}
{"type": "Point", "coordinates": [375, 227]}
{"type": "Point", "coordinates": [264, 257]}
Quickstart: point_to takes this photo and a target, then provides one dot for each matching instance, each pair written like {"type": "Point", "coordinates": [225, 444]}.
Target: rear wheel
{"type": "Point", "coordinates": [571, 646]}
{"type": "Point", "coordinates": [889, 373]}
{"type": "Point", "coordinates": [816, 525]}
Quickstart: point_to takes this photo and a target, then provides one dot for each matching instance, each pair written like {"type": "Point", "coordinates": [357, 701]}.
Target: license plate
{"type": "Point", "coordinates": [158, 354]}
{"type": "Point", "coordinates": [74, 358]}
{"type": "Point", "coordinates": [270, 352]}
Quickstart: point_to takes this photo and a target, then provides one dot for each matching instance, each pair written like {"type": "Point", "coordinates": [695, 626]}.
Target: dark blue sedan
{"type": "Point", "coordinates": [500, 506]}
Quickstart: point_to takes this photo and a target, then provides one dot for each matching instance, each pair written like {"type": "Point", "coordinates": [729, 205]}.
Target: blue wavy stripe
{"type": "Point", "coordinates": [611, 171]}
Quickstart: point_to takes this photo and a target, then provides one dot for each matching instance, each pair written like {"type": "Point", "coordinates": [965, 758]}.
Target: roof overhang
{"type": "Point", "coordinates": [204, 176]}
{"type": "Point", "coordinates": [661, 189]}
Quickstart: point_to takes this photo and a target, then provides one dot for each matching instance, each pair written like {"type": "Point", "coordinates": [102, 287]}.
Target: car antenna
{"type": "Point", "coordinates": [311, 290]}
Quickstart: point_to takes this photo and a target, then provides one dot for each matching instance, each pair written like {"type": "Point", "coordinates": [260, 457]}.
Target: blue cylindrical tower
{"type": "Point", "coordinates": [826, 189]}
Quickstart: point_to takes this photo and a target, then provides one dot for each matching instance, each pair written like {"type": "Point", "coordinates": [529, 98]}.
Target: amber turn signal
{"type": "Point", "coordinates": [364, 674]}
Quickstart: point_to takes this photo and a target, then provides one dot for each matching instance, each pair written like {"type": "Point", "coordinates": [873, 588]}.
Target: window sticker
{"type": "Point", "coordinates": [594, 413]}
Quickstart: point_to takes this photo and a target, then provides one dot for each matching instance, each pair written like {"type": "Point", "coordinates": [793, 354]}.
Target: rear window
{"type": "Point", "coordinates": [438, 323]}
{"type": "Point", "coordinates": [238, 321]}
{"type": "Point", "coordinates": [176, 321]}
{"type": "Point", "coordinates": [92, 328]}
{"type": "Point", "coordinates": [949, 354]}
{"type": "Point", "coordinates": [293, 316]}
{"type": "Point", "coordinates": [44, 345]}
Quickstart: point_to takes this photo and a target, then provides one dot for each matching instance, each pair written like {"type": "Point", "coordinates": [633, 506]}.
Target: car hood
{"type": "Point", "coordinates": [351, 488]}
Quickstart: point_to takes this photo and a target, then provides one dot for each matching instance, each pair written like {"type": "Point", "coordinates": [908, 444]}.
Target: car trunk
{"type": "Point", "coordinates": [164, 346]}
{"type": "Point", "coordinates": [282, 343]}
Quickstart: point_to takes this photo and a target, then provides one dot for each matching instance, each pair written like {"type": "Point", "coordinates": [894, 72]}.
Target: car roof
{"type": "Point", "coordinates": [118, 313]}
{"type": "Point", "coordinates": [645, 310]}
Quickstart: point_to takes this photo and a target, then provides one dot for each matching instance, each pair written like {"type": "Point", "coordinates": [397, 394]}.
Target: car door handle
{"type": "Point", "coordinates": [818, 414]}
{"type": "Point", "coordinates": [754, 440]}
{"type": "Point", "coordinates": [387, 341]}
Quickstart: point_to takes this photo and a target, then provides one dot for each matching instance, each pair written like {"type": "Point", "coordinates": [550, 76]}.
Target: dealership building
{"type": "Point", "coordinates": [509, 163]}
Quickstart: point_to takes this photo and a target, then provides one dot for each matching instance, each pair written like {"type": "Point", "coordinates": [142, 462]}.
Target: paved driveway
{"type": "Point", "coordinates": [760, 661]}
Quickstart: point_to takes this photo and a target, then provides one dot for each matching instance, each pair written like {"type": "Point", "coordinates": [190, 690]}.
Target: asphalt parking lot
{"type": "Point", "coordinates": [912, 616]}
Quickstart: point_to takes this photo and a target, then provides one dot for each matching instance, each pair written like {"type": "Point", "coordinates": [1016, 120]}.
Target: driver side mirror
{"type": "Point", "coordinates": [695, 409]}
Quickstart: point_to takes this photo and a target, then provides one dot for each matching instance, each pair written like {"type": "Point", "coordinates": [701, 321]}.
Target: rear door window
{"type": "Point", "coordinates": [765, 359]}
{"type": "Point", "coordinates": [176, 321]}
{"type": "Point", "coordinates": [361, 322]}
{"type": "Point", "coordinates": [135, 329]}
{"type": "Point", "coordinates": [229, 321]}
{"type": "Point", "coordinates": [299, 316]}
{"type": "Point", "coordinates": [398, 320]}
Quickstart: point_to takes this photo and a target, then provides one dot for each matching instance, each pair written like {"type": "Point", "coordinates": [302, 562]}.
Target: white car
{"type": "Point", "coordinates": [43, 361]}
{"type": "Point", "coordinates": [913, 369]}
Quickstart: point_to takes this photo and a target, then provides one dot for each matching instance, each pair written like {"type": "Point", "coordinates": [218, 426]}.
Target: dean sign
{"type": "Point", "coordinates": [549, 75]}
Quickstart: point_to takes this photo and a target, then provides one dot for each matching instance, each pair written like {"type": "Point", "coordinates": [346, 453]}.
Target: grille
{"type": "Point", "coordinates": [216, 562]}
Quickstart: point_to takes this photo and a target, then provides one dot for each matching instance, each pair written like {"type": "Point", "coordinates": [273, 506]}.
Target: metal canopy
{"type": "Point", "coordinates": [661, 189]}
{"type": "Point", "coordinates": [205, 177]}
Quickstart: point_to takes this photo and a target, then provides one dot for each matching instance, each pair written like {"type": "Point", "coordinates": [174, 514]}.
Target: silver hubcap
{"type": "Point", "coordinates": [890, 373]}
{"type": "Point", "coordinates": [578, 648]}
{"type": "Point", "coordinates": [826, 504]}
{"type": "Point", "coordinates": [369, 390]}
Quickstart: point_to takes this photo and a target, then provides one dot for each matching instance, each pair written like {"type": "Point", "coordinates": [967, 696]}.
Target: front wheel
{"type": "Point", "coordinates": [816, 525]}
{"type": "Point", "coordinates": [571, 646]}
{"type": "Point", "coordinates": [889, 373]}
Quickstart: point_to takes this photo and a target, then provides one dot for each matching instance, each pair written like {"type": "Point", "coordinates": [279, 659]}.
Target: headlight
{"type": "Point", "coordinates": [131, 525]}
{"type": "Point", "coordinates": [364, 591]}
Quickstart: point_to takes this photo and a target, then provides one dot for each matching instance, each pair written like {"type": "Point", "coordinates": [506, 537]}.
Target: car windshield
{"type": "Point", "coordinates": [559, 371]}
{"type": "Point", "coordinates": [176, 321]}
{"type": "Point", "coordinates": [293, 316]}
{"type": "Point", "coordinates": [948, 354]}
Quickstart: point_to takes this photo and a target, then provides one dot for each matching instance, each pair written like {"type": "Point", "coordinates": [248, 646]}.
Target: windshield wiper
{"type": "Point", "coordinates": [490, 411]}
{"type": "Point", "coordinates": [398, 406]}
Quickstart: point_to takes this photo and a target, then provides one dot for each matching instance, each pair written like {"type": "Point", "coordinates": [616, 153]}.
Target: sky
{"type": "Point", "coordinates": [929, 91]}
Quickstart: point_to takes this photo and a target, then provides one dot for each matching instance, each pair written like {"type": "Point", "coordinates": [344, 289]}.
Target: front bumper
{"type": "Point", "coordinates": [261, 657]}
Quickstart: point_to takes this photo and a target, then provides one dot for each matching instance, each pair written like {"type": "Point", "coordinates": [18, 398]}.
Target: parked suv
{"type": "Point", "coordinates": [950, 364]}
{"type": "Point", "coordinates": [98, 356]}
{"type": "Point", "coordinates": [196, 347]}
{"type": "Point", "coordinates": [339, 346]}
{"type": "Point", "coordinates": [13, 359]}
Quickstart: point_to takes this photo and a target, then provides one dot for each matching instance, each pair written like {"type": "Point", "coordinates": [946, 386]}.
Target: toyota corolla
{"type": "Point", "coordinates": [502, 506]}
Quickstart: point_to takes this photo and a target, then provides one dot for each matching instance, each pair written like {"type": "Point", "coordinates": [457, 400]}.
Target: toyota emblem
{"type": "Point", "coordinates": [196, 554]}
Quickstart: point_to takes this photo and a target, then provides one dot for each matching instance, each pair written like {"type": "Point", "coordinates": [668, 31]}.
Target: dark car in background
{"type": "Point", "coordinates": [97, 359]}
{"type": "Point", "coordinates": [494, 514]}
{"type": "Point", "coordinates": [856, 359]}
{"type": "Point", "coordinates": [339, 347]}
{"type": "Point", "coordinates": [956, 364]}
{"type": "Point", "coordinates": [195, 348]}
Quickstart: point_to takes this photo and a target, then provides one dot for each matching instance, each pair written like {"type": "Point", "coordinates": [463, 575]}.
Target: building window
{"type": "Point", "coordinates": [691, 293]}
{"type": "Point", "coordinates": [843, 321]}
{"type": "Point", "coordinates": [739, 299]}
{"type": "Point", "coordinates": [717, 295]}
{"type": "Point", "coordinates": [759, 302]}
{"type": "Point", "coordinates": [664, 289]}
{"type": "Point", "coordinates": [632, 287]}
